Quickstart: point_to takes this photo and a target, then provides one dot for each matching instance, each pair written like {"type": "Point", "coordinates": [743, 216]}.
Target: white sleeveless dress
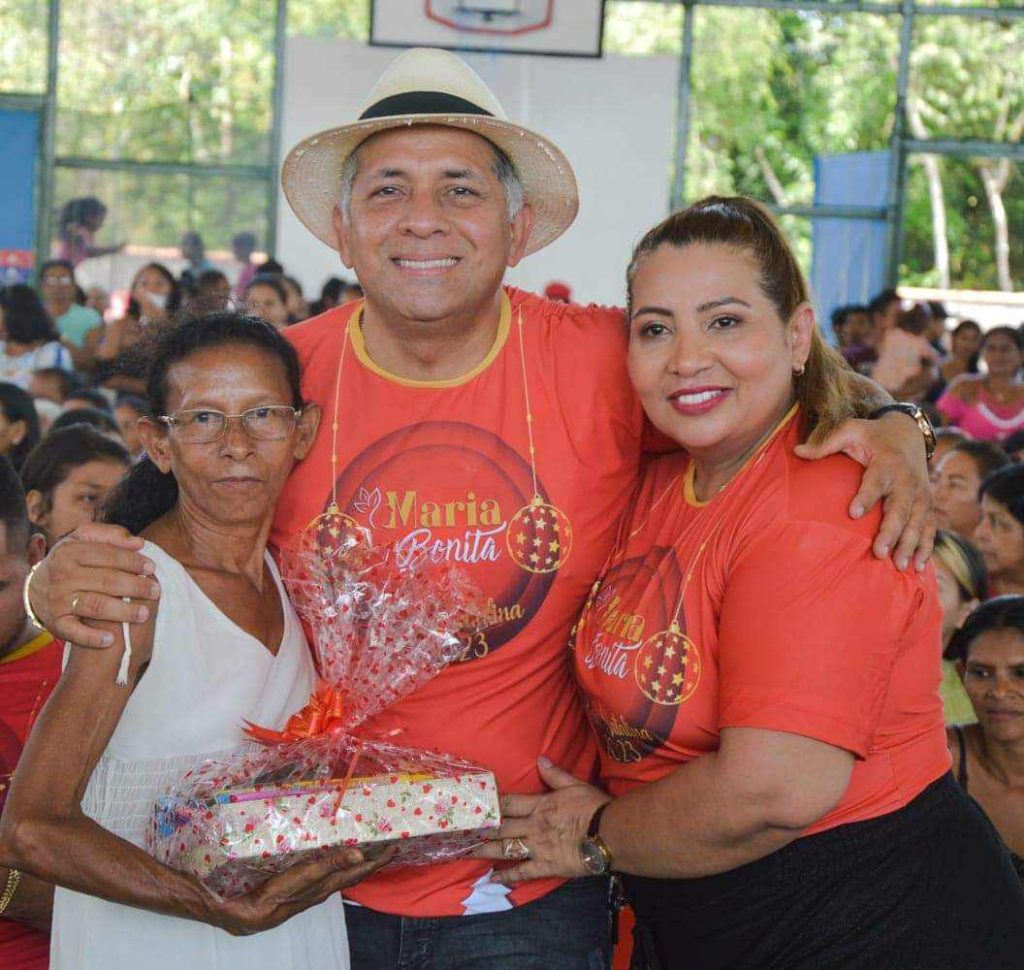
{"type": "Point", "coordinates": [206, 675]}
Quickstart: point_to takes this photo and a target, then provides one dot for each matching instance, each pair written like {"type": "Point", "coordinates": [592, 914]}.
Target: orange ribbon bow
{"type": "Point", "coordinates": [322, 715]}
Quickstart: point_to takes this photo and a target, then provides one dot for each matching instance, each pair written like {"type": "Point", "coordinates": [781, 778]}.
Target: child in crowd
{"type": "Point", "coordinates": [298, 309]}
{"type": "Point", "coordinates": [19, 423]}
{"type": "Point", "coordinates": [52, 384]}
{"type": "Point", "coordinates": [127, 411]}
{"type": "Point", "coordinates": [68, 476]}
{"type": "Point", "coordinates": [907, 364]}
{"type": "Point", "coordinates": [87, 397]}
{"type": "Point", "coordinates": [267, 298]}
{"type": "Point", "coordinates": [102, 421]}
{"type": "Point", "coordinates": [30, 664]}
{"type": "Point", "coordinates": [28, 338]}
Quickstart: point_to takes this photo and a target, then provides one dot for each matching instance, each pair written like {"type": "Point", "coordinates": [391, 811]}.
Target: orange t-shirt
{"type": "Point", "coordinates": [446, 467]}
{"type": "Point", "coordinates": [763, 607]}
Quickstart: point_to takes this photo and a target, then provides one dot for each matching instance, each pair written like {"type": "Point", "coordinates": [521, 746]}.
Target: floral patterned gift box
{"type": "Point", "coordinates": [234, 838]}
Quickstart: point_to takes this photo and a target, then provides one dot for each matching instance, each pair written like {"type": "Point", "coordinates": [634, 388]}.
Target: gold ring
{"type": "Point", "coordinates": [515, 850]}
{"type": "Point", "coordinates": [74, 603]}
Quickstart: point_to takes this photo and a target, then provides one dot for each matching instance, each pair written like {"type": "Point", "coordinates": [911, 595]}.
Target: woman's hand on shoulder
{"type": "Point", "coordinates": [289, 893]}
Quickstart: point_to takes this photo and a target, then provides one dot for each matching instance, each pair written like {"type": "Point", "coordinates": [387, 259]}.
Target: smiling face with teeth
{"type": "Point", "coordinates": [709, 355]}
{"type": "Point", "coordinates": [428, 231]}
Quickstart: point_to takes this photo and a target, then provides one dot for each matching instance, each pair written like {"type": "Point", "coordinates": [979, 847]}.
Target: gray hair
{"type": "Point", "coordinates": [502, 166]}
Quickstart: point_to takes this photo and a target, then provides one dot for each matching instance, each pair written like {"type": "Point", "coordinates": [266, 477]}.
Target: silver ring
{"type": "Point", "coordinates": [515, 850]}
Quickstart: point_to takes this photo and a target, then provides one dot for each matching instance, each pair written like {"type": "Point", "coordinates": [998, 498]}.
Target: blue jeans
{"type": "Point", "coordinates": [568, 929]}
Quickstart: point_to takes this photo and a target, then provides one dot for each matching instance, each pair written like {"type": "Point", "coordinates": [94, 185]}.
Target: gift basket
{"type": "Point", "coordinates": [382, 627]}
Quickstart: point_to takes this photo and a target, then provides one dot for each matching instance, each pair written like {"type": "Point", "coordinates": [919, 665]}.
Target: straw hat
{"type": "Point", "coordinates": [424, 86]}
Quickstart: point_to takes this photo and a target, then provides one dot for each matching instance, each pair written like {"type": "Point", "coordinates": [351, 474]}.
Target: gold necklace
{"type": "Point", "coordinates": [333, 529]}
{"type": "Point", "coordinates": [539, 535]}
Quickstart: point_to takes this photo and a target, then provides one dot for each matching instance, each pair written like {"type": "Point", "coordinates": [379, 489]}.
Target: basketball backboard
{"type": "Point", "coordinates": [559, 27]}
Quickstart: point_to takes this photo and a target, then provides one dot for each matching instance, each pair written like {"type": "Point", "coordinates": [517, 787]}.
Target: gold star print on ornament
{"type": "Point", "coordinates": [334, 529]}
{"type": "Point", "coordinates": [667, 668]}
{"type": "Point", "coordinates": [334, 538]}
{"type": "Point", "coordinates": [539, 537]}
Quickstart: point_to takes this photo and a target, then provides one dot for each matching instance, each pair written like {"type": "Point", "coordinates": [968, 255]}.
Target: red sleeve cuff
{"type": "Point", "coordinates": [751, 707]}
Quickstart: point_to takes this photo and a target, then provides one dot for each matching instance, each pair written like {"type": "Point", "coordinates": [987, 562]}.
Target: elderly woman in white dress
{"type": "Point", "coordinates": [223, 646]}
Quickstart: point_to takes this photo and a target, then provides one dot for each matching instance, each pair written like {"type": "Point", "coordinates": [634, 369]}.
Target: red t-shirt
{"type": "Point", "coordinates": [446, 467]}
{"type": "Point", "coordinates": [27, 678]}
{"type": "Point", "coordinates": [764, 607]}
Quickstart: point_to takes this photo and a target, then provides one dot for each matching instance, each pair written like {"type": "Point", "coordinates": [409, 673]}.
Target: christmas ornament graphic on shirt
{"type": "Point", "coordinates": [409, 489]}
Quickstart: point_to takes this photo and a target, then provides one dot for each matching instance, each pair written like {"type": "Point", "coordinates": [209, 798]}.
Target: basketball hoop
{"type": "Point", "coordinates": [571, 28]}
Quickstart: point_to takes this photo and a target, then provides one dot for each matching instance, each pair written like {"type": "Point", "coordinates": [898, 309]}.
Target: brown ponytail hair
{"type": "Point", "coordinates": [748, 228]}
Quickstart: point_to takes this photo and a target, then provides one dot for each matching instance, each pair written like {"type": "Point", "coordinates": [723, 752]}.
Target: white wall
{"type": "Point", "coordinates": [612, 117]}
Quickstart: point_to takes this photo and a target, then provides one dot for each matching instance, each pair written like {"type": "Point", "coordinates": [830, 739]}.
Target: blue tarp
{"type": "Point", "coordinates": [848, 263]}
{"type": "Point", "coordinates": [19, 145]}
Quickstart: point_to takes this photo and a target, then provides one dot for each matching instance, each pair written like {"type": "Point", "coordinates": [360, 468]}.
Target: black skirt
{"type": "Point", "coordinates": [929, 887]}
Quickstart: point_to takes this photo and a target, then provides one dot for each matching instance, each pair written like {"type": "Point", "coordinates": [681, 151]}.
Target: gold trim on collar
{"type": "Point", "coordinates": [355, 333]}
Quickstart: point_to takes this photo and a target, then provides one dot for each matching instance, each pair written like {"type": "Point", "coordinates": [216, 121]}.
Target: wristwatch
{"type": "Point", "coordinates": [594, 852]}
{"type": "Point", "coordinates": [917, 413]}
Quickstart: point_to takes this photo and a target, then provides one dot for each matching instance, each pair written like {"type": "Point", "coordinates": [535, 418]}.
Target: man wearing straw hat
{"type": "Point", "coordinates": [477, 424]}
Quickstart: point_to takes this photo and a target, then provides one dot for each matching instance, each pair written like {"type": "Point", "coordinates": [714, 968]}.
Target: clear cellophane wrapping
{"type": "Point", "coordinates": [382, 628]}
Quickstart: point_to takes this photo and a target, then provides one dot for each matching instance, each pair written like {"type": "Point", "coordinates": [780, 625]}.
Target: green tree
{"type": "Point", "coordinates": [967, 81]}
{"type": "Point", "coordinates": [329, 18]}
{"type": "Point", "coordinates": [23, 46]}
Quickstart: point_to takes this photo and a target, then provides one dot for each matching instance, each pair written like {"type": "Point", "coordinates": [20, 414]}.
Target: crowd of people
{"type": "Point", "coordinates": [748, 731]}
{"type": "Point", "coordinates": [965, 377]}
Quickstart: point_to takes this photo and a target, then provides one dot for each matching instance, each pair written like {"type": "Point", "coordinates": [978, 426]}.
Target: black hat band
{"type": "Point", "coordinates": [422, 103]}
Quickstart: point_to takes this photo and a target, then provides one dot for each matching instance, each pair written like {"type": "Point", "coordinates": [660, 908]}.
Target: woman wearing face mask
{"type": "Point", "coordinates": [963, 583]}
{"type": "Point", "coordinates": [764, 690]}
{"type": "Point", "coordinates": [155, 296]}
{"type": "Point", "coordinates": [990, 407]}
{"type": "Point", "coordinates": [1000, 534]}
{"type": "Point", "coordinates": [988, 757]}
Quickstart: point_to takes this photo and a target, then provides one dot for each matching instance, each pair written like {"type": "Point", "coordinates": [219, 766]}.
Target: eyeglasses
{"type": "Point", "coordinates": [271, 422]}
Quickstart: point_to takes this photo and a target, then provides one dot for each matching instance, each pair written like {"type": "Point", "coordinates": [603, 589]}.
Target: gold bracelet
{"type": "Point", "coordinates": [27, 601]}
{"type": "Point", "coordinates": [13, 879]}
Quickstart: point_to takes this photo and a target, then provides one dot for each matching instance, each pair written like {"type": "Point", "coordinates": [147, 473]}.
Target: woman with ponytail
{"type": "Point", "coordinates": [776, 780]}
{"type": "Point", "coordinates": [227, 424]}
